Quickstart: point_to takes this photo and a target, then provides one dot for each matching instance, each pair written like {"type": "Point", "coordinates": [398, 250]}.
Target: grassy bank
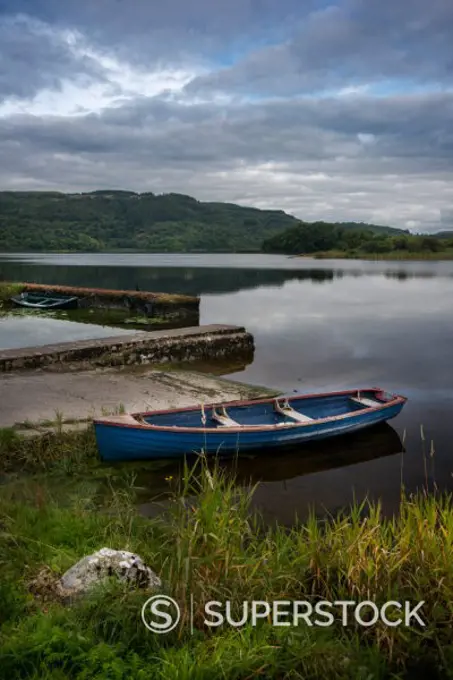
{"type": "Point", "coordinates": [53, 451]}
{"type": "Point", "coordinates": [8, 288]}
{"type": "Point", "coordinates": [209, 546]}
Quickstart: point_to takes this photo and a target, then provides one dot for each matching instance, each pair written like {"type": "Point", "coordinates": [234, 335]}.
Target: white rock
{"type": "Point", "coordinates": [93, 569]}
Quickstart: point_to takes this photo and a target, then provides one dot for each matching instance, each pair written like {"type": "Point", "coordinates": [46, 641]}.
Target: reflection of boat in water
{"type": "Point", "coordinates": [361, 447]}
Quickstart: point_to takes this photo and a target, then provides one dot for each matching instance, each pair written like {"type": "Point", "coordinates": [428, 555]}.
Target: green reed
{"type": "Point", "coordinates": [210, 545]}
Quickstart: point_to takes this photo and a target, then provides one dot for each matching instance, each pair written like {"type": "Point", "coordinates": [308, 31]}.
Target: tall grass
{"type": "Point", "coordinates": [8, 289]}
{"type": "Point", "coordinates": [210, 546]}
{"type": "Point", "coordinates": [56, 449]}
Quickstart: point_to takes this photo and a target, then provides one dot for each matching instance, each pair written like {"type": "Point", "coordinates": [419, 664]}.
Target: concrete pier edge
{"type": "Point", "coordinates": [142, 347]}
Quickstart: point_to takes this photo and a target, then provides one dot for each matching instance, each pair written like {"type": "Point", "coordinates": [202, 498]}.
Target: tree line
{"type": "Point", "coordinates": [108, 220]}
{"type": "Point", "coordinates": [351, 239]}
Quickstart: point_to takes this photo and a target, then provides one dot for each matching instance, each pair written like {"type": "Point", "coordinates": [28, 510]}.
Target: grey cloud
{"type": "Point", "coordinates": [356, 42]}
{"type": "Point", "coordinates": [385, 159]}
{"type": "Point", "coordinates": [317, 130]}
{"type": "Point", "coordinates": [302, 156]}
{"type": "Point", "coordinates": [400, 126]}
{"type": "Point", "coordinates": [166, 31]}
{"type": "Point", "coordinates": [446, 217]}
{"type": "Point", "coordinates": [399, 129]}
{"type": "Point", "coordinates": [33, 58]}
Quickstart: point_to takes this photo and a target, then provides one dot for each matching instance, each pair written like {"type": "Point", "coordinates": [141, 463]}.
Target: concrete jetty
{"type": "Point", "coordinates": [71, 382]}
{"type": "Point", "coordinates": [142, 347]}
{"type": "Point", "coordinates": [167, 306]}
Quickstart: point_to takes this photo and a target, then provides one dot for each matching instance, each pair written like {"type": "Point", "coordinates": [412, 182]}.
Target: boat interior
{"type": "Point", "coordinates": [279, 411]}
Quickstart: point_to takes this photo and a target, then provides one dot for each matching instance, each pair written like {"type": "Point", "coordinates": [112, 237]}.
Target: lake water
{"type": "Point", "coordinates": [33, 331]}
{"type": "Point", "coordinates": [318, 325]}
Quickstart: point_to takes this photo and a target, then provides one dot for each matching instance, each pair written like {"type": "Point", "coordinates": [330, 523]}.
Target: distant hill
{"type": "Point", "coordinates": [114, 220]}
{"type": "Point", "coordinates": [110, 220]}
{"type": "Point", "coordinates": [444, 234]}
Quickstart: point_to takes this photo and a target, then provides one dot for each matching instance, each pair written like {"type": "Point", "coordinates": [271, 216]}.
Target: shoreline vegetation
{"type": "Point", "coordinates": [208, 545]}
{"type": "Point", "coordinates": [392, 255]}
{"type": "Point", "coordinates": [323, 240]}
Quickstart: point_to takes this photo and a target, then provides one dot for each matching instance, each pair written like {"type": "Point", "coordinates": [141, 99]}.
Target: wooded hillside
{"type": "Point", "coordinates": [110, 220]}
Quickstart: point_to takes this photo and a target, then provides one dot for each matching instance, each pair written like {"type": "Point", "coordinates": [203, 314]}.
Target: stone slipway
{"type": "Point", "coordinates": [37, 396]}
{"type": "Point", "coordinates": [142, 347]}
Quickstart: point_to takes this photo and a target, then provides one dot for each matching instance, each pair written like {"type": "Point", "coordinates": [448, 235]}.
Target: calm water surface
{"type": "Point", "coordinates": [318, 325]}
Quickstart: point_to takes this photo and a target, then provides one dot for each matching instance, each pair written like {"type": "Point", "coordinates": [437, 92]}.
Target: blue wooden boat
{"type": "Point", "coordinates": [242, 426]}
{"type": "Point", "coordinates": [45, 301]}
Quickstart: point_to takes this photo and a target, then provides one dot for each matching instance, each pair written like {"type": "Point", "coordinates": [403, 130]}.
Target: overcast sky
{"type": "Point", "coordinates": [328, 111]}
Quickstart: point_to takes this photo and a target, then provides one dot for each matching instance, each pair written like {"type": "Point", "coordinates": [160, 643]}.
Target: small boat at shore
{"type": "Point", "coordinates": [45, 301]}
{"type": "Point", "coordinates": [242, 426]}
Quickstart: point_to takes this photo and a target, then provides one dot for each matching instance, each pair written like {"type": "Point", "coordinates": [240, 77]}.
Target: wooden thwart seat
{"type": "Point", "coordinates": [223, 418]}
{"type": "Point", "coordinates": [364, 401]}
{"type": "Point", "coordinates": [287, 410]}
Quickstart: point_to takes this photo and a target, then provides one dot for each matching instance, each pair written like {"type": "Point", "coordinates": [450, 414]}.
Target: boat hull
{"type": "Point", "coordinates": [118, 442]}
